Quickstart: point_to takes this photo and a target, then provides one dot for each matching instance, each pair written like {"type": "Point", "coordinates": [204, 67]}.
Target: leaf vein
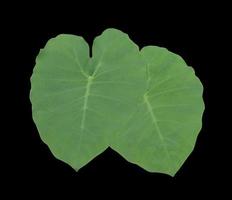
{"type": "Point", "coordinates": [155, 122]}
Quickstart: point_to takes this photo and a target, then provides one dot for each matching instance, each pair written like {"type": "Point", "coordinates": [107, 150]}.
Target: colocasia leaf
{"type": "Point", "coordinates": [162, 131]}
{"type": "Point", "coordinates": [147, 105]}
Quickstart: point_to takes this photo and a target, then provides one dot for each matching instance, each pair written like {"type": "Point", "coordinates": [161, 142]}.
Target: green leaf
{"type": "Point", "coordinates": [162, 132]}
{"type": "Point", "coordinates": [147, 105]}
{"type": "Point", "coordinates": [78, 101]}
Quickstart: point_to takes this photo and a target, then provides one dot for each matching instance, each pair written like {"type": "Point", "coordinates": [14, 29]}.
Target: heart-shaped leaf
{"type": "Point", "coordinates": [161, 133]}
{"type": "Point", "coordinates": [78, 101]}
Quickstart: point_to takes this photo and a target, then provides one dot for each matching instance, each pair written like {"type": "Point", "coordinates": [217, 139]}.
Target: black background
{"type": "Point", "coordinates": [32, 166]}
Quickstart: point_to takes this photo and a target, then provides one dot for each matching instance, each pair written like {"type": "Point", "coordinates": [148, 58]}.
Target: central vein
{"type": "Point", "coordinates": [154, 120]}
{"type": "Point", "coordinates": [85, 105]}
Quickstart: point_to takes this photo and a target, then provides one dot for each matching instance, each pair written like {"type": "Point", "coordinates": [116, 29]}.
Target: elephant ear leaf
{"type": "Point", "coordinates": [77, 101]}
{"type": "Point", "coordinates": [161, 133]}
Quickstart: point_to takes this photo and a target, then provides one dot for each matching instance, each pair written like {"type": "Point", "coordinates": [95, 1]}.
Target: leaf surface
{"type": "Point", "coordinates": [162, 132]}
{"type": "Point", "coordinates": [77, 100]}
{"type": "Point", "coordinates": [147, 105]}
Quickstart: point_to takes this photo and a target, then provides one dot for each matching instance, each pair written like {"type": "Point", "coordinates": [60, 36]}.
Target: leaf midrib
{"type": "Point", "coordinates": [85, 104]}
{"type": "Point", "coordinates": [155, 122]}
